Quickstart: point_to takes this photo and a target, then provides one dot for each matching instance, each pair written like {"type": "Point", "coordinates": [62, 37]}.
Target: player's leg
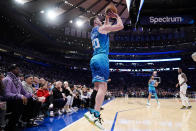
{"type": "Point", "coordinates": [89, 115]}
{"type": "Point", "coordinates": [92, 99]}
{"type": "Point", "coordinates": [103, 74]}
{"type": "Point", "coordinates": [184, 88]}
{"type": "Point", "coordinates": [182, 96]}
{"type": "Point", "coordinates": [149, 97]}
{"type": "Point", "coordinates": [156, 97]}
{"type": "Point", "coordinates": [100, 74]}
{"type": "Point", "coordinates": [102, 88]}
{"type": "Point", "coordinates": [187, 102]}
{"type": "Point", "coordinates": [183, 100]}
{"type": "Point", "coordinates": [94, 114]}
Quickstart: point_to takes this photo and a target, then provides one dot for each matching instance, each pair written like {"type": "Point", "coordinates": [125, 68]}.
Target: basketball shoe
{"type": "Point", "coordinates": [95, 120]}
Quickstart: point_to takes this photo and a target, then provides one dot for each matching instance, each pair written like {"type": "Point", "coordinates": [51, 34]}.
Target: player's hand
{"type": "Point", "coordinates": [116, 15]}
{"type": "Point", "coordinates": [177, 85]}
{"type": "Point", "coordinates": [112, 14]}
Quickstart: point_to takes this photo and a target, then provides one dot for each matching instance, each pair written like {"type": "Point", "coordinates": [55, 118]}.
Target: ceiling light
{"type": "Point", "coordinates": [20, 1]}
{"type": "Point", "coordinates": [51, 14]}
{"type": "Point", "coordinates": [79, 23]}
{"type": "Point", "coordinates": [42, 11]}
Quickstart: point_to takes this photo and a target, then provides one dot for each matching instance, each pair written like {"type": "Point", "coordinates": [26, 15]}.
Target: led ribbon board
{"type": "Point", "coordinates": [146, 61]}
{"type": "Point", "coordinates": [149, 53]}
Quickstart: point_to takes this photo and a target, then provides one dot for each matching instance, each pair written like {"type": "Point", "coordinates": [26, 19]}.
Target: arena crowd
{"type": "Point", "coordinates": [31, 98]}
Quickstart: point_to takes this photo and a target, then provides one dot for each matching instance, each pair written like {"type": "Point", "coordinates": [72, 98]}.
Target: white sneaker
{"type": "Point", "coordinates": [98, 123]}
{"type": "Point", "coordinates": [148, 104]}
{"type": "Point", "coordinates": [94, 120]}
{"type": "Point", "coordinates": [158, 103]}
{"type": "Point", "coordinates": [59, 112]}
{"type": "Point", "coordinates": [51, 114]}
{"type": "Point", "coordinates": [89, 117]}
{"type": "Point", "coordinates": [51, 106]}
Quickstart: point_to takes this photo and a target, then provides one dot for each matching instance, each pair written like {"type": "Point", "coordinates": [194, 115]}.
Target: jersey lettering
{"type": "Point", "coordinates": [96, 43]}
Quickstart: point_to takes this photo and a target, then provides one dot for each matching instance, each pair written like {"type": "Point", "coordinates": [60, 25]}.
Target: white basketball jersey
{"type": "Point", "coordinates": [181, 79]}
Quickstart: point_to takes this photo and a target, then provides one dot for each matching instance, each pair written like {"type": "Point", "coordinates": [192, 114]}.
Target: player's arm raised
{"type": "Point", "coordinates": [107, 22]}
{"type": "Point", "coordinates": [112, 28]}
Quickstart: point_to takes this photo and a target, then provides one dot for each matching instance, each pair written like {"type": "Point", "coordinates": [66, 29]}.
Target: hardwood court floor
{"type": "Point", "coordinates": [133, 115]}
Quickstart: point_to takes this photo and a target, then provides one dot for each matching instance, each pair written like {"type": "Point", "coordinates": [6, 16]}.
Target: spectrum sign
{"type": "Point", "coordinates": [154, 20]}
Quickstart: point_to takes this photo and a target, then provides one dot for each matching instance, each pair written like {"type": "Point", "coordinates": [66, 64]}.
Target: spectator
{"type": "Point", "coordinates": [42, 81]}
{"type": "Point", "coordinates": [51, 87]}
{"type": "Point", "coordinates": [76, 98]}
{"type": "Point", "coordinates": [85, 97]}
{"type": "Point", "coordinates": [45, 96]}
{"type": "Point", "coordinates": [16, 95]}
{"type": "Point", "coordinates": [70, 97]}
{"type": "Point", "coordinates": [21, 77]}
{"type": "Point", "coordinates": [59, 100]}
{"type": "Point", "coordinates": [28, 84]}
{"type": "Point", "coordinates": [35, 102]}
{"type": "Point", "coordinates": [36, 82]}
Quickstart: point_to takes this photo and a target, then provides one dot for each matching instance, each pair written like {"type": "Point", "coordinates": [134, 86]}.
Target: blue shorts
{"type": "Point", "coordinates": [152, 90]}
{"type": "Point", "coordinates": [99, 65]}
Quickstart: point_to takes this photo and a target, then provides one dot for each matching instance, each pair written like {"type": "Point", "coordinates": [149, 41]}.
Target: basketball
{"type": "Point", "coordinates": [194, 56]}
{"type": "Point", "coordinates": [155, 73]}
{"type": "Point", "coordinates": [111, 8]}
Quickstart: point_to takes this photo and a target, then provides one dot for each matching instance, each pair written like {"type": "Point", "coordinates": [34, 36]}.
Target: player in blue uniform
{"type": "Point", "coordinates": [151, 88]}
{"type": "Point", "coordinates": [99, 63]}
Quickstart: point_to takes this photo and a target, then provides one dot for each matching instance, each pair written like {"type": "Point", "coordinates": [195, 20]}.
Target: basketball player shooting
{"type": "Point", "coordinates": [99, 63]}
{"type": "Point", "coordinates": [183, 87]}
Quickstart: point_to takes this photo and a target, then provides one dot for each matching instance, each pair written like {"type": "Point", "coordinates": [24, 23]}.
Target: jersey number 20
{"type": "Point", "coordinates": [96, 43]}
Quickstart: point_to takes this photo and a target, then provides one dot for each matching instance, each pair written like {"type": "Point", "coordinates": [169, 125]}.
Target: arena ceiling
{"type": "Point", "coordinates": [71, 9]}
{"type": "Point", "coordinates": [31, 18]}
